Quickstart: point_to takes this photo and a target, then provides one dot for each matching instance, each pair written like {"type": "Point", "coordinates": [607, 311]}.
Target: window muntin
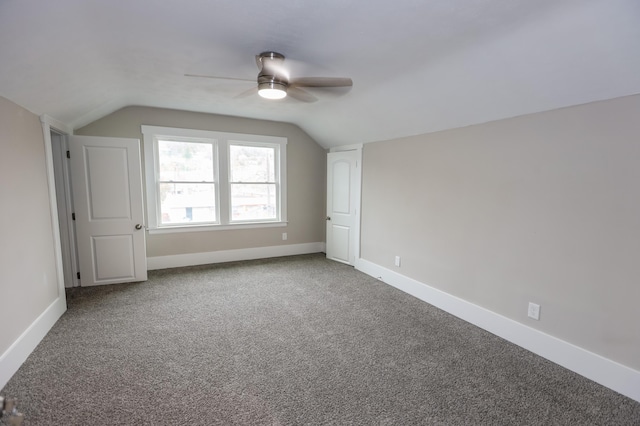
{"type": "Point", "coordinates": [234, 172]}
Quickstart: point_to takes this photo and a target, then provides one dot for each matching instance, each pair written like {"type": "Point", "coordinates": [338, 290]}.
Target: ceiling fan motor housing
{"type": "Point", "coordinates": [271, 69]}
{"type": "Point", "coordinates": [273, 80]}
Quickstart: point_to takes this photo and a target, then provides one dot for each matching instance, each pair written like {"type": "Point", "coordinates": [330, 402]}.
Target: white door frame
{"type": "Point", "coordinates": [358, 192]}
{"type": "Point", "coordinates": [65, 209]}
{"type": "Point", "coordinates": [49, 124]}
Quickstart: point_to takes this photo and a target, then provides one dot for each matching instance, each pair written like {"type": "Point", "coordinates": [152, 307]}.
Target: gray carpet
{"type": "Point", "coordinates": [289, 341]}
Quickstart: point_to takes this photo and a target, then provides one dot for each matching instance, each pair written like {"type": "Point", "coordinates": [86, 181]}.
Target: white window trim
{"type": "Point", "coordinates": [150, 136]}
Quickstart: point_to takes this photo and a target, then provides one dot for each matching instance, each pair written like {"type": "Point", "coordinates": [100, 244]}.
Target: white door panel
{"type": "Point", "coordinates": [108, 183]}
{"type": "Point", "coordinates": [341, 205]}
{"type": "Point", "coordinates": [341, 186]}
{"type": "Point", "coordinates": [107, 190]}
{"type": "Point", "coordinates": [113, 257]}
{"type": "Point", "coordinates": [341, 243]}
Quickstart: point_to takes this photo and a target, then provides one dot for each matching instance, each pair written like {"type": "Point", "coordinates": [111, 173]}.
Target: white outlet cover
{"type": "Point", "coordinates": [534, 311]}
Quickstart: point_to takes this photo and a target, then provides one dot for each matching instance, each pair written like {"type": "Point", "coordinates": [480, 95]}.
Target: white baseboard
{"type": "Point", "coordinates": [178, 260]}
{"type": "Point", "coordinates": [16, 355]}
{"type": "Point", "coordinates": [608, 373]}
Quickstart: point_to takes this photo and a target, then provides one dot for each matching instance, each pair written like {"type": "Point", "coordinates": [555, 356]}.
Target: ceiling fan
{"type": "Point", "coordinates": [274, 81]}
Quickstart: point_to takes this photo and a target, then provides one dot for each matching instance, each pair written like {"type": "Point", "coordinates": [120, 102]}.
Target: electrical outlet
{"type": "Point", "coordinates": [398, 261]}
{"type": "Point", "coordinates": [284, 236]}
{"type": "Point", "coordinates": [534, 311]}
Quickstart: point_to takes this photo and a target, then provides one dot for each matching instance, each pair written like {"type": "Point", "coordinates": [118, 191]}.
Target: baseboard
{"type": "Point", "coordinates": [190, 259]}
{"type": "Point", "coordinates": [16, 355]}
{"type": "Point", "coordinates": [611, 374]}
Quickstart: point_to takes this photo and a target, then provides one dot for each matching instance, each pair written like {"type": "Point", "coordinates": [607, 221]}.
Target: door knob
{"type": "Point", "coordinates": [328, 218]}
{"type": "Point", "coordinates": [138, 227]}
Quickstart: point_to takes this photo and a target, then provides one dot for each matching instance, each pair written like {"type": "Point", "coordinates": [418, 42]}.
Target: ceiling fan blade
{"type": "Point", "coordinates": [321, 82]}
{"type": "Point", "coordinates": [301, 95]}
{"type": "Point", "coordinates": [246, 93]}
{"type": "Point", "coordinates": [220, 78]}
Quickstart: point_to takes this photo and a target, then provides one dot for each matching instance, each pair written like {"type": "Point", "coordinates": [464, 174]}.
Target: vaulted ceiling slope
{"type": "Point", "coordinates": [418, 66]}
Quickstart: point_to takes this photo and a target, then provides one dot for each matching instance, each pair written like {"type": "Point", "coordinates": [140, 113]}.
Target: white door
{"type": "Point", "coordinates": [107, 193]}
{"type": "Point", "coordinates": [341, 205]}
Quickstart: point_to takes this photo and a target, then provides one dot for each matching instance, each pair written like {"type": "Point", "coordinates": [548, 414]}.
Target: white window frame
{"type": "Point", "coordinates": [221, 141]}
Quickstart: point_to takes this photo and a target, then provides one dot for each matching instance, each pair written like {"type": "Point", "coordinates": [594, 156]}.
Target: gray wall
{"type": "Point", "coordinates": [28, 279]}
{"type": "Point", "coordinates": [542, 208]}
{"type": "Point", "coordinates": [306, 179]}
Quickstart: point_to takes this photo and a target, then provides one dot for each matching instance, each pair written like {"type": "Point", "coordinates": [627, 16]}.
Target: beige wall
{"type": "Point", "coordinates": [305, 179]}
{"type": "Point", "coordinates": [542, 208]}
{"type": "Point", "coordinates": [28, 279]}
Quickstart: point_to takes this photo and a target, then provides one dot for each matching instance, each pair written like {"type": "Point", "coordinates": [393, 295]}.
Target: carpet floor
{"type": "Point", "coordinates": [289, 341]}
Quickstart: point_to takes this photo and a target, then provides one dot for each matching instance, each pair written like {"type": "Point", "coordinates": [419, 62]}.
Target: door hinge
{"type": "Point", "coordinates": [68, 154]}
{"type": "Point", "coordinates": [78, 275]}
{"type": "Point", "coordinates": [73, 216]}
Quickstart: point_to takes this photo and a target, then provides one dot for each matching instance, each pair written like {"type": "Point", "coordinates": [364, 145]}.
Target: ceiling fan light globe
{"type": "Point", "coordinates": [272, 93]}
{"type": "Point", "coordinates": [272, 90]}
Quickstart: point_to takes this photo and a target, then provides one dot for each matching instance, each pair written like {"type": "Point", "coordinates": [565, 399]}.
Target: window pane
{"type": "Point", "coordinates": [187, 203]}
{"type": "Point", "coordinates": [185, 161]}
{"type": "Point", "coordinates": [251, 202]}
{"type": "Point", "coordinates": [252, 163]}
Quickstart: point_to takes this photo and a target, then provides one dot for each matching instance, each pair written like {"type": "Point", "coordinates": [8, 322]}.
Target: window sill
{"type": "Point", "coordinates": [207, 228]}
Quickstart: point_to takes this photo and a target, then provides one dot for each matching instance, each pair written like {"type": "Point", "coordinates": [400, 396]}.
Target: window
{"type": "Point", "coordinates": [252, 177]}
{"type": "Point", "coordinates": [186, 182]}
{"type": "Point", "coordinates": [198, 179]}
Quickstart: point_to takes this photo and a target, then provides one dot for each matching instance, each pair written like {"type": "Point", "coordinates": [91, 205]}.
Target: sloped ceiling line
{"type": "Point", "coordinates": [417, 66]}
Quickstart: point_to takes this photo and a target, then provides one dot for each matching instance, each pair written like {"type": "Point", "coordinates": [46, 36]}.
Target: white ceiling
{"type": "Point", "coordinates": [418, 66]}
